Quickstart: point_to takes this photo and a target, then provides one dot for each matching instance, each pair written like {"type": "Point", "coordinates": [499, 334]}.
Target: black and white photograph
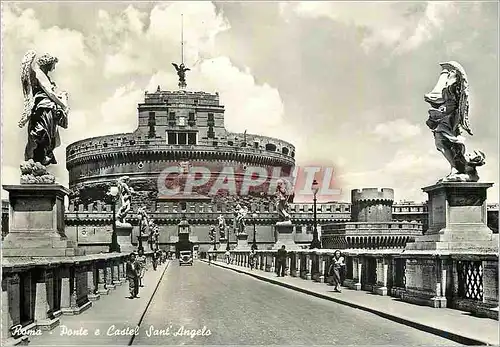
{"type": "Point", "coordinates": [241, 173]}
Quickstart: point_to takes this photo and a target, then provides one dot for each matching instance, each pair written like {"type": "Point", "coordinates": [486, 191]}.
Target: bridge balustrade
{"type": "Point", "coordinates": [35, 293]}
{"type": "Point", "coordinates": [468, 282]}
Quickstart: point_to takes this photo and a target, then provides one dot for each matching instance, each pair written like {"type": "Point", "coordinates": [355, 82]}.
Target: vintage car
{"type": "Point", "coordinates": [186, 258]}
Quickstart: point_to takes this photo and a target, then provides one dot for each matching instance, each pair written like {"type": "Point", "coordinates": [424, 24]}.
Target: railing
{"type": "Point", "coordinates": [36, 292]}
{"type": "Point", "coordinates": [465, 282]}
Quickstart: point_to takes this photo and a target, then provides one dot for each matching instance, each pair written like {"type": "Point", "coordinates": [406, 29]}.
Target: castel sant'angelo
{"type": "Point", "coordinates": [180, 129]}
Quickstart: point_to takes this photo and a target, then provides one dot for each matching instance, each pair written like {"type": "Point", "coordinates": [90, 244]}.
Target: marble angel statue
{"type": "Point", "coordinates": [282, 198]}
{"type": "Point", "coordinates": [125, 193]}
{"type": "Point", "coordinates": [45, 108]}
{"type": "Point", "coordinates": [449, 118]}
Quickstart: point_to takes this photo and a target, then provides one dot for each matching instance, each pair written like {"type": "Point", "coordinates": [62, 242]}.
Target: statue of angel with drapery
{"type": "Point", "coordinates": [449, 118]}
{"type": "Point", "coordinates": [45, 108]}
{"type": "Point", "coordinates": [282, 196]}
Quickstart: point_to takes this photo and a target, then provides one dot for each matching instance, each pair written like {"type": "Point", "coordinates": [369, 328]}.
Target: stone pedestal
{"type": "Point", "coordinates": [124, 237]}
{"type": "Point", "coordinates": [143, 239]}
{"type": "Point", "coordinates": [457, 228]}
{"type": "Point", "coordinates": [457, 220]}
{"type": "Point", "coordinates": [242, 242]}
{"type": "Point", "coordinates": [36, 222]}
{"type": "Point", "coordinates": [285, 235]}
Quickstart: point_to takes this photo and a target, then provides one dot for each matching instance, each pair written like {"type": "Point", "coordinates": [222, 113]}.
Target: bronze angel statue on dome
{"type": "Point", "coordinates": [448, 118]}
{"type": "Point", "coordinates": [45, 108]}
{"type": "Point", "coordinates": [181, 72]}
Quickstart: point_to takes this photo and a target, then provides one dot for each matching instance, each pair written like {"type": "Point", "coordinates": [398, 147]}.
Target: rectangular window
{"type": "Point", "coordinates": [172, 138]}
{"type": "Point", "coordinates": [182, 138]}
{"type": "Point", "coordinates": [152, 124]}
{"type": "Point", "coordinates": [211, 121]}
{"type": "Point", "coordinates": [171, 118]}
{"type": "Point", "coordinates": [211, 133]}
{"type": "Point", "coordinates": [191, 119]}
{"type": "Point", "coordinates": [256, 145]}
{"type": "Point", "coordinates": [192, 139]}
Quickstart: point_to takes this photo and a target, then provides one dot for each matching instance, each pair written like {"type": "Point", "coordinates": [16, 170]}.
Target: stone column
{"type": "Point", "coordinates": [6, 309]}
{"type": "Point", "coordinates": [308, 266]}
{"type": "Point", "coordinates": [267, 267]}
{"type": "Point", "coordinates": [65, 289]}
{"type": "Point", "coordinates": [273, 262]}
{"type": "Point", "coordinates": [298, 266]}
{"type": "Point", "coordinates": [321, 277]}
{"type": "Point", "coordinates": [101, 280]}
{"type": "Point", "coordinates": [288, 264]}
{"type": "Point", "coordinates": [109, 275]}
{"type": "Point", "coordinates": [123, 274]}
{"type": "Point", "coordinates": [357, 285]}
{"type": "Point", "coordinates": [92, 290]}
{"type": "Point", "coordinates": [116, 273]}
{"type": "Point", "coordinates": [42, 319]}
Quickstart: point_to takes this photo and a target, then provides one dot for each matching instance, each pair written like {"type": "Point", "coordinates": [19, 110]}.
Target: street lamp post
{"type": "Point", "coordinates": [254, 217]}
{"type": "Point", "coordinates": [316, 243]}
{"type": "Point", "coordinates": [114, 246]}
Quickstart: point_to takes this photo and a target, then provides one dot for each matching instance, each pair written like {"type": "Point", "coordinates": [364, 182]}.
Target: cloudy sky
{"type": "Point", "coordinates": [342, 81]}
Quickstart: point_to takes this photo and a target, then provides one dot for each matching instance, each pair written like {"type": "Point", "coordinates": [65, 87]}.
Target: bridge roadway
{"type": "Point", "coordinates": [236, 309]}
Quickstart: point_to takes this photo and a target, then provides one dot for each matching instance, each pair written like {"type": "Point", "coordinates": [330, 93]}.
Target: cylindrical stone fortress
{"type": "Point", "coordinates": [372, 205]}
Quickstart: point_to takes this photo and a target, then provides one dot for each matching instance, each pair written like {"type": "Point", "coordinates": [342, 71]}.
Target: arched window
{"type": "Point", "coordinates": [271, 147]}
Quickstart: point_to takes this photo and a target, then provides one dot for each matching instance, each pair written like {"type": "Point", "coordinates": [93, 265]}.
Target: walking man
{"type": "Point", "coordinates": [281, 261]}
{"type": "Point", "coordinates": [141, 262]}
{"type": "Point", "coordinates": [132, 276]}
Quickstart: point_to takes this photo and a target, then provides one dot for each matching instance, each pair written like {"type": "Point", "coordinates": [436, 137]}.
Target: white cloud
{"type": "Point", "coordinates": [396, 131]}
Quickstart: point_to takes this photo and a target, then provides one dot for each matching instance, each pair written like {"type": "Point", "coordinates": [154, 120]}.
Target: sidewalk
{"type": "Point", "coordinates": [114, 309]}
{"type": "Point", "coordinates": [448, 323]}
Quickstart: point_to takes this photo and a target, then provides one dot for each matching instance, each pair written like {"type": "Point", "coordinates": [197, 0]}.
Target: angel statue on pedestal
{"type": "Point", "coordinates": [144, 221]}
{"type": "Point", "coordinates": [44, 108]}
{"type": "Point", "coordinates": [222, 226]}
{"type": "Point", "coordinates": [448, 118]}
{"type": "Point", "coordinates": [282, 198]}
{"type": "Point", "coordinates": [125, 192]}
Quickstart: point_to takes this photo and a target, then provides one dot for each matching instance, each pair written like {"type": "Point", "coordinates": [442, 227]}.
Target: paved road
{"type": "Point", "coordinates": [236, 309]}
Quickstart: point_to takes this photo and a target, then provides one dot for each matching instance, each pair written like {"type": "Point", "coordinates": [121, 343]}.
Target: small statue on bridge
{"type": "Point", "coordinates": [211, 234]}
{"type": "Point", "coordinates": [282, 198]}
{"type": "Point", "coordinates": [448, 118]}
{"type": "Point", "coordinates": [181, 72]}
{"type": "Point", "coordinates": [144, 221]}
{"type": "Point", "coordinates": [240, 215]}
{"type": "Point", "coordinates": [222, 226]}
{"type": "Point", "coordinates": [125, 192]}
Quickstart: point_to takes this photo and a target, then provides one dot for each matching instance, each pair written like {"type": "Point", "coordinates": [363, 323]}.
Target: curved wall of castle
{"type": "Point", "coordinates": [372, 205]}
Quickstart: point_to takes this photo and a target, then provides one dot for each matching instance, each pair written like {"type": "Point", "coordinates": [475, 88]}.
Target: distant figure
{"type": "Point", "coordinates": [132, 276]}
{"type": "Point", "coordinates": [335, 269]}
{"type": "Point", "coordinates": [141, 262]}
{"type": "Point", "coordinates": [228, 256]}
{"type": "Point", "coordinates": [281, 261]}
{"type": "Point", "coordinates": [156, 257]}
{"type": "Point", "coordinates": [252, 259]}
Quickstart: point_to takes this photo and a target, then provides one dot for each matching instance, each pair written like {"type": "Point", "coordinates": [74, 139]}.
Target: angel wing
{"type": "Point", "coordinates": [463, 107]}
{"type": "Point", "coordinates": [187, 69]}
{"type": "Point", "coordinates": [176, 66]}
{"type": "Point", "coordinates": [27, 85]}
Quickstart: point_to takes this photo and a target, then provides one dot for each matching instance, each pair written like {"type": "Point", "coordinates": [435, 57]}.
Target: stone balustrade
{"type": "Point", "coordinates": [466, 282]}
{"type": "Point", "coordinates": [37, 291]}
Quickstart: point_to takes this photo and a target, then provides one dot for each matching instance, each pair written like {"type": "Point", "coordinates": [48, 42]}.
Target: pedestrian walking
{"type": "Point", "coordinates": [141, 261]}
{"type": "Point", "coordinates": [209, 259]}
{"type": "Point", "coordinates": [281, 261]}
{"type": "Point", "coordinates": [252, 259]}
{"type": "Point", "coordinates": [156, 257]}
{"type": "Point", "coordinates": [132, 276]}
{"type": "Point", "coordinates": [228, 256]}
{"type": "Point", "coordinates": [335, 270]}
